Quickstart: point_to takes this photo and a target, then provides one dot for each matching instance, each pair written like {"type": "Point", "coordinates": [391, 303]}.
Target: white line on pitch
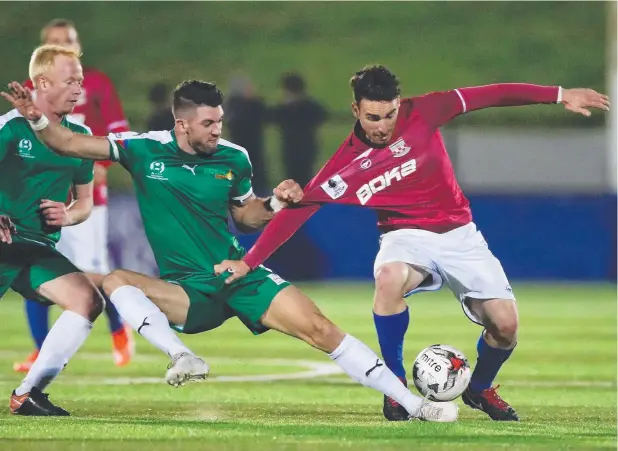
{"type": "Point", "coordinates": [513, 383]}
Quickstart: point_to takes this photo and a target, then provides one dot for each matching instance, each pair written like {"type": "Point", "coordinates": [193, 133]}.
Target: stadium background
{"type": "Point", "coordinates": [541, 181]}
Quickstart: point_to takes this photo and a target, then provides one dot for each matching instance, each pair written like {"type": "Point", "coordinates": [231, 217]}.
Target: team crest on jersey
{"type": "Point", "coordinates": [156, 170]}
{"type": "Point", "coordinates": [24, 148]}
{"type": "Point", "coordinates": [399, 148]}
{"type": "Point", "coordinates": [227, 176]}
{"type": "Point", "coordinates": [335, 187]}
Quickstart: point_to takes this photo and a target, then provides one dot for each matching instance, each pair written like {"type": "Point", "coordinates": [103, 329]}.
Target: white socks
{"type": "Point", "coordinates": [364, 366]}
{"type": "Point", "coordinates": [63, 340]}
{"type": "Point", "coordinates": [147, 319]}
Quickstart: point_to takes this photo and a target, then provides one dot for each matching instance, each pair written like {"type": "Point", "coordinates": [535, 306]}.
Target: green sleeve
{"type": "Point", "coordinates": [5, 140]}
{"type": "Point", "coordinates": [85, 173]}
{"type": "Point", "coordinates": [125, 147]}
{"type": "Point", "coordinates": [242, 189]}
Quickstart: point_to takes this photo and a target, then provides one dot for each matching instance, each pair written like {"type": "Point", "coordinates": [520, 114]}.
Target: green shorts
{"type": "Point", "coordinates": [26, 266]}
{"type": "Point", "coordinates": [213, 302]}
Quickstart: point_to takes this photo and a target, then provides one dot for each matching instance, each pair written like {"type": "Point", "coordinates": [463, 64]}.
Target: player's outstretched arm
{"type": "Point", "coordinates": [255, 212]}
{"type": "Point", "coordinates": [440, 107]}
{"type": "Point", "coordinates": [58, 138]}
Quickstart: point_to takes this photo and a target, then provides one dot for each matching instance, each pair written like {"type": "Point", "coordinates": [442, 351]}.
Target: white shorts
{"type": "Point", "coordinates": [85, 244]}
{"type": "Point", "coordinates": [460, 258]}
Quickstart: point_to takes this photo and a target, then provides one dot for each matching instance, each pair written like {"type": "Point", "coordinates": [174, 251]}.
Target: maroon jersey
{"type": "Point", "coordinates": [100, 110]}
{"type": "Point", "coordinates": [410, 182]}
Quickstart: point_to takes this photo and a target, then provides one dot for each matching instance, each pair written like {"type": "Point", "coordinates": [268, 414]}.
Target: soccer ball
{"type": "Point", "coordinates": [441, 373]}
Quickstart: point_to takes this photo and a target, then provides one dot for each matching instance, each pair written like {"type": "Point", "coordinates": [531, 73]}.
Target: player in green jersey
{"type": "Point", "coordinates": [186, 181]}
{"type": "Point", "coordinates": [34, 184]}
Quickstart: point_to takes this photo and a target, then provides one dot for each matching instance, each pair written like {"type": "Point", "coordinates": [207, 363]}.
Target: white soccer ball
{"type": "Point", "coordinates": [441, 373]}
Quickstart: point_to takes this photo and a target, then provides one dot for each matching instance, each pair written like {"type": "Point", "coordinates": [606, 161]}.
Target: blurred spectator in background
{"type": "Point", "coordinates": [245, 119]}
{"type": "Point", "coordinates": [298, 117]}
{"type": "Point", "coordinates": [161, 117]}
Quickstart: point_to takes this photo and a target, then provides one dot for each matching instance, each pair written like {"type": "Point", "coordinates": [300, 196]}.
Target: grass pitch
{"type": "Point", "coordinates": [275, 393]}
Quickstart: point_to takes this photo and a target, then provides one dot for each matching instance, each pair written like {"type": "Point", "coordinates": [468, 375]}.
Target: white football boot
{"type": "Point", "coordinates": [442, 412]}
{"type": "Point", "coordinates": [186, 367]}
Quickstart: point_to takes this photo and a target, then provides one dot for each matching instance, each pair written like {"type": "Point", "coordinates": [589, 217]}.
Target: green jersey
{"type": "Point", "coordinates": [184, 199]}
{"type": "Point", "coordinates": [30, 172]}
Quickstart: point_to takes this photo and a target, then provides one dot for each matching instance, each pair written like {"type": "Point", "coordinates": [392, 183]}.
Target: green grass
{"type": "Point", "coordinates": [561, 379]}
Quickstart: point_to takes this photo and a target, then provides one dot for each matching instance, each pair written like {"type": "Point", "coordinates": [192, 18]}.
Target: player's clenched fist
{"type": "Point", "coordinates": [235, 268]}
{"type": "Point", "coordinates": [55, 213]}
{"type": "Point", "coordinates": [288, 192]}
{"type": "Point", "coordinates": [7, 228]}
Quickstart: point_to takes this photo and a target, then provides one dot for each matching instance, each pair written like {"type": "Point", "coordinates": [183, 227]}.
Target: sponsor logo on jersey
{"type": "Point", "coordinates": [335, 187]}
{"type": "Point", "coordinates": [365, 164]}
{"type": "Point", "coordinates": [226, 176]}
{"type": "Point", "coordinates": [24, 148]}
{"type": "Point", "coordinates": [385, 180]}
{"type": "Point", "coordinates": [156, 170]}
{"type": "Point", "coordinates": [399, 148]}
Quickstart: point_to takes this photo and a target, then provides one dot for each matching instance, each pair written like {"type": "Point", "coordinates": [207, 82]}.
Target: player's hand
{"type": "Point", "coordinates": [236, 269]}
{"type": "Point", "coordinates": [578, 100]}
{"type": "Point", "coordinates": [288, 192]}
{"type": "Point", "coordinates": [7, 228]}
{"type": "Point", "coordinates": [54, 213]}
{"type": "Point", "coordinates": [22, 101]}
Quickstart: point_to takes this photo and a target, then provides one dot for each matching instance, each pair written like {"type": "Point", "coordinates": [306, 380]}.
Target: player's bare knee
{"type": "Point", "coordinates": [507, 330]}
{"type": "Point", "coordinates": [504, 331]}
{"type": "Point", "coordinates": [390, 280]}
{"type": "Point", "coordinates": [87, 302]}
{"type": "Point", "coordinates": [114, 280]}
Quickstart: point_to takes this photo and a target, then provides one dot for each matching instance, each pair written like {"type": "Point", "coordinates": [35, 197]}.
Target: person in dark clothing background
{"type": "Point", "coordinates": [161, 117]}
{"type": "Point", "coordinates": [299, 118]}
{"type": "Point", "coordinates": [245, 120]}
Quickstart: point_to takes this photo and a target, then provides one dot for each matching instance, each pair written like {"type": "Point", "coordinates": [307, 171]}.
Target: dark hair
{"type": "Point", "coordinates": [375, 83]}
{"type": "Point", "coordinates": [56, 23]}
{"type": "Point", "coordinates": [293, 83]}
{"type": "Point", "coordinates": [194, 93]}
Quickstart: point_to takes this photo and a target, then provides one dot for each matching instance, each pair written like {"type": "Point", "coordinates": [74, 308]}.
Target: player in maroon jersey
{"type": "Point", "coordinates": [86, 244]}
{"type": "Point", "coordinates": [395, 162]}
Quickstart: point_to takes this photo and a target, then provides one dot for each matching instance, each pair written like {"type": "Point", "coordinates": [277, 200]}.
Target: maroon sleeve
{"type": "Point", "coordinates": [440, 107]}
{"type": "Point", "coordinates": [289, 220]}
{"type": "Point", "coordinates": [277, 232]}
